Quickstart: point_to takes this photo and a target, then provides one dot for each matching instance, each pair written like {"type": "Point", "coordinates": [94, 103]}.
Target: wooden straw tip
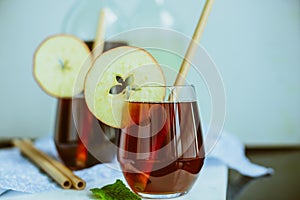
{"type": "Point", "coordinates": [66, 184]}
{"type": "Point", "coordinates": [80, 185]}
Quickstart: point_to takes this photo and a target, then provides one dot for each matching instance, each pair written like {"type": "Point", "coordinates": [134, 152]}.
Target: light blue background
{"type": "Point", "coordinates": [255, 44]}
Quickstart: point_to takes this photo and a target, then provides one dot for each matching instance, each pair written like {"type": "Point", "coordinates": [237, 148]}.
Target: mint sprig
{"type": "Point", "coordinates": [115, 191]}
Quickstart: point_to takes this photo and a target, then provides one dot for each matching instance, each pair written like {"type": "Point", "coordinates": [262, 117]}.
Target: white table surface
{"type": "Point", "coordinates": [211, 185]}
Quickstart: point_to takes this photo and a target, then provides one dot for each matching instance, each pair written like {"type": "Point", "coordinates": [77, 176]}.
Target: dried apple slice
{"type": "Point", "coordinates": [109, 75]}
{"type": "Point", "coordinates": [57, 64]}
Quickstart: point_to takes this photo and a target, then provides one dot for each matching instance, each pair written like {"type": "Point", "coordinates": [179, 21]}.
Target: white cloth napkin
{"type": "Point", "coordinates": [2, 191]}
{"type": "Point", "coordinates": [231, 151]}
{"type": "Point", "coordinates": [19, 174]}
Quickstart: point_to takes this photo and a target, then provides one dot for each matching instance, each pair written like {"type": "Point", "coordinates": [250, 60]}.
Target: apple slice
{"type": "Point", "coordinates": [109, 75]}
{"type": "Point", "coordinates": [57, 64]}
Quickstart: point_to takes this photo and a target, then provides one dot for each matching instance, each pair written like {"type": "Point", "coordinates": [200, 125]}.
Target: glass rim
{"type": "Point", "coordinates": [163, 86]}
{"type": "Point", "coordinates": [167, 96]}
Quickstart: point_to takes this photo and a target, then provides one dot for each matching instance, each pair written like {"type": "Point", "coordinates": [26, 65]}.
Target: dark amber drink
{"type": "Point", "coordinates": [80, 139]}
{"type": "Point", "coordinates": [161, 150]}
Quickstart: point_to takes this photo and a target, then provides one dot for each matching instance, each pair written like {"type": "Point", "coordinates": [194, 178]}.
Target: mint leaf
{"type": "Point", "coordinates": [115, 191]}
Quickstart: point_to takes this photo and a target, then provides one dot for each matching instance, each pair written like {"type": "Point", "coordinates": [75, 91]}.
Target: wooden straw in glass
{"type": "Point", "coordinates": [185, 65]}
{"type": "Point", "coordinates": [142, 181]}
{"type": "Point", "coordinates": [98, 44]}
{"type": "Point", "coordinates": [97, 49]}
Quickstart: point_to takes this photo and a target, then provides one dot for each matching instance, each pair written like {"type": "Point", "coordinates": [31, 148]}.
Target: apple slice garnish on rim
{"type": "Point", "coordinates": [57, 64]}
{"type": "Point", "coordinates": [109, 75]}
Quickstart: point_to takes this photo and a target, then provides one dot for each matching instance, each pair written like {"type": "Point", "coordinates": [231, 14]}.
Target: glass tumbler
{"type": "Point", "coordinates": [160, 148]}
{"type": "Point", "coordinates": [80, 139]}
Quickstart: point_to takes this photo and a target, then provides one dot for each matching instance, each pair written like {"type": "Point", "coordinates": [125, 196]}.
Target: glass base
{"type": "Point", "coordinates": [160, 196]}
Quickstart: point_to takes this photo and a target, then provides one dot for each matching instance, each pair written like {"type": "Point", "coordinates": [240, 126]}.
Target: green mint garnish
{"type": "Point", "coordinates": [115, 191]}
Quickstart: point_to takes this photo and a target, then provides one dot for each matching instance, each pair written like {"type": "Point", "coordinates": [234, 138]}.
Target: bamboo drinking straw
{"type": "Point", "coordinates": [46, 166]}
{"type": "Point", "coordinates": [98, 45]}
{"type": "Point", "coordinates": [97, 49]}
{"type": "Point", "coordinates": [185, 65]}
{"type": "Point", "coordinates": [142, 180]}
{"type": "Point", "coordinates": [77, 182]}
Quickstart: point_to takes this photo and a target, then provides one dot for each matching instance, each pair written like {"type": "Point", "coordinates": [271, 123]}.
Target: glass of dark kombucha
{"type": "Point", "coordinates": [160, 148]}
{"type": "Point", "coordinates": [80, 139]}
